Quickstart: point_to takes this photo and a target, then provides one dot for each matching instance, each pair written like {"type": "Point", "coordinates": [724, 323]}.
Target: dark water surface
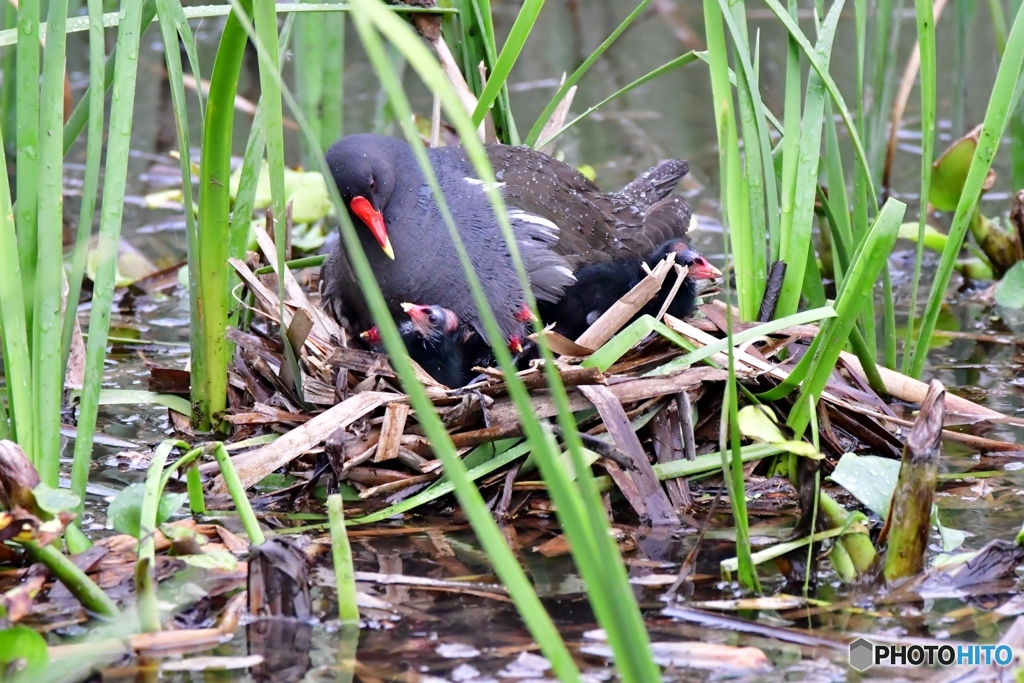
{"type": "Point", "coordinates": [437, 635]}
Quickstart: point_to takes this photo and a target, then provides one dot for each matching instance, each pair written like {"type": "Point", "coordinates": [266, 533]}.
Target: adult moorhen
{"type": "Point", "coordinates": [562, 222]}
{"type": "Point", "coordinates": [599, 286]}
{"type": "Point", "coordinates": [433, 337]}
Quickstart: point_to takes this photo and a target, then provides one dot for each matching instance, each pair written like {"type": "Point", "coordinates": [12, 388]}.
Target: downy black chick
{"type": "Point", "coordinates": [599, 286]}
{"type": "Point", "coordinates": [433, 337]}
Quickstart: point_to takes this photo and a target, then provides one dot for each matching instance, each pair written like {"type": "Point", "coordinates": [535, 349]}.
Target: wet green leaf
{"type": "Point", "coordinates": [950, 172]}
{"type": "Point", "coordinates": [870, 479]}
{"type": "Point", "coordinates": [759, 423]}
{"type": "Point", "coordinates": [933, 239]}
{"type": "Point", "coordinates": [125, 511]}
{"type": "Point", "coordinates": [54, 500]}
{"type": "Point", "coordinates": [1010, 290]}
{"type": "Point", "coordinates": [23, 645]}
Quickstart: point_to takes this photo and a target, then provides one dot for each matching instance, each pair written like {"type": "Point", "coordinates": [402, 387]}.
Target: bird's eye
{"type": "Point", "coordinates": [373, 184]}
{"type": "Point", "coordinates": [432, 318]}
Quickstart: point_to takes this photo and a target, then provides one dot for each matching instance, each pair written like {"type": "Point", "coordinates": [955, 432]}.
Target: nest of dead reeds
{"type": "Point", "coordinates": [641, 413]}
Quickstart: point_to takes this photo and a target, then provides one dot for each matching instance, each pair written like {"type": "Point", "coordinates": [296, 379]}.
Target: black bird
{"type": "Point", "coordinates": [433, 337]}
{"type": "Point", "coordinates": [562, 222]}
{"type": "Point", "coordinates": [599, 286]}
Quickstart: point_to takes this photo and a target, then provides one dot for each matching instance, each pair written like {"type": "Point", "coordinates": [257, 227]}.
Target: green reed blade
{"type": "Point", "coordinates": [795, 242]}
{"type": "Point", "coordinates": [549, 109]}
{"type": "Point", "coordinates": [469, 496]}
{"type": "Point", "coordinates": [446, 486]}
{"type": "Point", "coordinates": [502, 67]}
{"type": "Point", "coordinates": [80, 115]}
{"type": "Point", "coordinates": [270, 76]}
{"type": "Point", "coordinates": [838, 202]}
{"type": "Point", "coordinates": [27, 179]}
{"type": "Point", "coordinates": [334, 79]}
{"type": "Point", "coordinates": [790, 139]}
{"type": "Point", "coordinates": [679, 61]}
{"type": "Point", "coordinates": [175, 16]}
{"type": "Point", "coordinates": [344, 574]}
{"type": "Point", "coordinates": [750, 253]}
{"type": "Point", "coordinates": [821, 69]}
{"type": "Point", "coordinates": [248, 181]}
{"type": "Point", "coordinates": [571, 508]}
{"type": "Point", "coordinates": [172, 23]}
{"type": "Point", "coordinates": [47, 316]}
{"type": "Point", "coordinates": [114, 182]}
{"type": "Point", "coordinates": [964, 14]}
{"type": "Point", "coordinates": [210, 349]}
{"type": "Point", "coordinates": [90, 185]}
{"type": "Point", "coordinates": [1000, 104]}
{"type": "Point", "coordinates": [309, 60]}
{"type": "Point", "coordinates": [926, 45]}
{"type": "Point", "coordinates": [16, 356]}
{"type": "Point", "coordinates": [586, 524]}
{"type": "Point", "coordinates": [867, 263]}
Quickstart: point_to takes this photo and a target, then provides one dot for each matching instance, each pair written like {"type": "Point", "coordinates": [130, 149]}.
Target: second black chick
{"type": "Point", "coordinates": [433, 336]}
{"type": "Point", "coordinates": [599, 286]}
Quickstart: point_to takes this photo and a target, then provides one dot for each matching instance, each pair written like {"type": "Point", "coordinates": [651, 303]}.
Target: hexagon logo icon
{"type": "Point", "coordinates": [862, 654]}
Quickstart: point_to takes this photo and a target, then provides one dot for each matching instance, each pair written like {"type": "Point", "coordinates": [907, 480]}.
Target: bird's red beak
{"type": "Point", "coordinates": [374, 220]}
{"type": "Point", "coordinates": [703, 270]}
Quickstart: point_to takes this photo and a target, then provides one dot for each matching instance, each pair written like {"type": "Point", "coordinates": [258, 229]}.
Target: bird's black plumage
{"type": "Point", "coordinates": [433, 336]}
{"type": "Point", "coordinates": [599, 286]}
{"type": "Point", "coordinates": [561, 220]}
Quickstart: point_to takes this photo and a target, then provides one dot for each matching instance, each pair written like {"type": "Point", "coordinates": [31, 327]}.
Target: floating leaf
{"type": "Point", "coordinates": [870, 479]}
{"type": "Point", "coordinates": [950, 172]}
{"type": "Point", "coordinates": [1010, 290]}
{"type": "Point", "coordinates": [54, 500]}
{"type": "Point", "coordinates": [125, 511]}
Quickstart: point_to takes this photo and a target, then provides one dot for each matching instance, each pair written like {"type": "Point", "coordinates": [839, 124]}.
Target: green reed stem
{"type": "Point", "coordinates": [341, 552]}
{"type": "Point", "coordinates": [210, 348]}
{"type": "Point", "coordinates": [114, 183]}
{"type": "Point", "coordinates": [90, 185]}
{"type": "Point", "coordinates": [47, 316]}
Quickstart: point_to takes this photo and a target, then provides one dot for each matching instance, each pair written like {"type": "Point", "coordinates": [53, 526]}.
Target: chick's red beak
{"type": "Point", "coordinates": [701, 269]}
{"type": "Point", "coordinates": [374, 220]}
{"type": "Point", "coordinates": [419, 316]}
{"type": "Point", "coordinates": [371, 335]}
